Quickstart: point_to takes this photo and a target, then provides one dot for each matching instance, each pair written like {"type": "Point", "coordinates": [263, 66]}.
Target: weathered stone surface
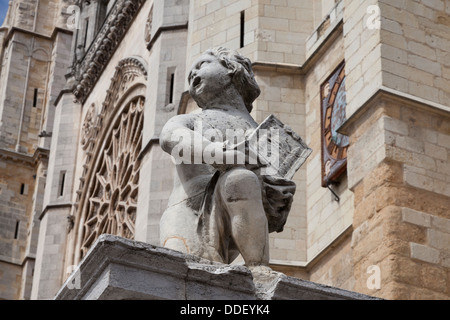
{"type": "Point", "coordinates": [226, 204]}
{"type": "Point", "coordinates": [117, 269]}
{"type": "Point", "coordinates": [395, 197]}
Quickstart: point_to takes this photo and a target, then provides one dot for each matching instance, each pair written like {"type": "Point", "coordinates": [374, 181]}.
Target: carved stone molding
{"type": "Point", "coordinates": [128, 71]}
{"type": "Point", "coordinates": [148, 27]}
{"type": "Point", "coordinates": [88, 131]}
{"type": "Point", "coordinates": [87, 72]}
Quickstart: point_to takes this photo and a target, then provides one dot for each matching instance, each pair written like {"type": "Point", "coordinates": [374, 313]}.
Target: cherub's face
{"type": "Point", "coordinates": [208, 78]}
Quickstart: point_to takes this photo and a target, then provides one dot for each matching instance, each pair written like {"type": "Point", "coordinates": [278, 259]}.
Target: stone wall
{"type": "Point", "coordinates": [38, 16]}
{"type": "Point", "coordinates": [46, 9]}
{"type": "Point", "coordinates": [273, 31]}
{"type": "Point", "coordinates": [415, 54]}
{"type": "Point", "coordinates": [334, 266]}
{"type": "Point", "coordinates": [57, 200]}
{"type": "Point", "coordinates": [26, 115]}
{"type": "Point", "coordinates": [327, 218]}
{"type": "Point", "coordinates": [212, 24]}
{"type": "Point", "coordinates": [10, 280]}
{"type": "Point", "coordinates": [362, 47]}
{"type": "Point", "coordinates": [283, 27]}
{"type": "Point", "coordinates": [282, 95]}
{"type": "Point", "coordinates": [25, 80]}
{"type": "Point", "coordinates": [16, 193]}
{"type": "Point", "coordinates": [399, 199]}
{"type": "Point", "coordinates": [398, 128]}
{"type": "Point", "coordinates": [167, 64]}
{"type": "Point", "coordinates": [60, 54]}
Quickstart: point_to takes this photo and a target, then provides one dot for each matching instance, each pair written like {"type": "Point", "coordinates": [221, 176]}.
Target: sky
{"type": "Point", "coordinates": [3, 10]}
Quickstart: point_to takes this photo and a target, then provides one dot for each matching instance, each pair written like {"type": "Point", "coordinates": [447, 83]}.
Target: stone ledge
{"type": "Point", "coordinates": [118, 269]}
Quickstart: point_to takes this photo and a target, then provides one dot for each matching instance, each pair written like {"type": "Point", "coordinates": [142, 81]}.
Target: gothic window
{"type": "Point", "coordinates": [113, 190]}
{"type": "Point", "coordinates": [111, 140]}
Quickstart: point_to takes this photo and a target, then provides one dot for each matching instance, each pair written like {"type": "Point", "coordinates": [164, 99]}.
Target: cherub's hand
{"type": "Point", "coordinates": [252, 160]}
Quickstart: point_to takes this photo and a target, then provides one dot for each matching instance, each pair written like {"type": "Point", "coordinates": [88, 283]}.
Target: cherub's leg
{"type": "Point", "coordinates": [177, 229]}
{"type": "Point", "coordinates": [240, 190]}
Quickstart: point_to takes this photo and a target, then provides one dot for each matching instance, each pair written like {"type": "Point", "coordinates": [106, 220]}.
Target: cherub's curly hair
{"type": "Point", "coordinates": [243, 76]}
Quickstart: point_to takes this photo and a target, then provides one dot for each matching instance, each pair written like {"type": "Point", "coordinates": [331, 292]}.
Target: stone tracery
{"type": "Point", "coordinates": [112, 203]}
{"type": "Point", "coordinates": [111, 139]}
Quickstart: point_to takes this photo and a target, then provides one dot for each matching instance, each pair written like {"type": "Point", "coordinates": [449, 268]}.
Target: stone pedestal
{"type": "Point", "coordinates": [118, 269]}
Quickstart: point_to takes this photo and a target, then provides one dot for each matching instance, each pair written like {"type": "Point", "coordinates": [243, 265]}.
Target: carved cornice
{"type": "Point", "coordinates": [9, 155]}
{"type": "Point", "coordinates": [25, 159]}
{"type": "Point", "coordinates": [87, 72]}
{"type": "Point", "coordinates": [162, 29]}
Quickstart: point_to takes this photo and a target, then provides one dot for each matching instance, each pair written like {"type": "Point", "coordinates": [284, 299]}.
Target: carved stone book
{"type": "Point", "coordinates": [278, 146]}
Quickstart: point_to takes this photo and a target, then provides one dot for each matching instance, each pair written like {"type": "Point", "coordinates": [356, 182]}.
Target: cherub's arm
{"type": "Point", "coordinates": [178, 137]}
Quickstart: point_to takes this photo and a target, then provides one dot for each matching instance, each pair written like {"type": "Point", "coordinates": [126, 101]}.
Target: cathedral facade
{"type": "Point", "coordinates": [87, 86]}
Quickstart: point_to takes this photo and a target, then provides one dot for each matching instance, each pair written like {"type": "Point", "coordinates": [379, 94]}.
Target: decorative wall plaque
{"type": "Point", "coordinates": [333, 115]}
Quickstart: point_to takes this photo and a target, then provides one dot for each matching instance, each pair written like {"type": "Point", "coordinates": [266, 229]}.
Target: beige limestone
{"type": "Point", "coordinates": [398, 80]}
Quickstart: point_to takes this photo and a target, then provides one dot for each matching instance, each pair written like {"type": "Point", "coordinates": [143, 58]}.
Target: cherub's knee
{"type": "Point", "coordinates": [240, 185]}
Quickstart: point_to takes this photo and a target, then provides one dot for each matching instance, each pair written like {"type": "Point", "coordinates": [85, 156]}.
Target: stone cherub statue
{"type": "Point", "coordinates": [221, 207]}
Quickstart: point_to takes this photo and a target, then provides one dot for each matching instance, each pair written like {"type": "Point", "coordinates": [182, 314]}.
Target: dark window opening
{"type": "Point", "coordinates": [172, 85]}
{"type": "Point", "coordinates": [242, 28]}
{"type": "Point", "coordinates": [16, 231]}
{"type": "Point", "coordinates": [86, 28]}
{"type": "Point", "coordinates": [35, 98]}
{"type": "Point", "coordinates": [62, 180]}
{"type": "Point", "coordinates": [101, 15]}
{"type": "Point", "coordinates": [22, 188]}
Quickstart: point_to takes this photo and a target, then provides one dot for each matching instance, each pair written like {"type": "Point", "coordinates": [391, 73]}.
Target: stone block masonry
{"type": "Point", "coordinates": [362, 54]}
{"type": "Point", "coordinates": [415, 54]}
{"type": "Point", "coordinates": [436, 246]}
{"type": "Point", "coordinates": [281, 96]}
{"type": "Point", "coordinates": [399, 145]}
{"type": "Point", "coordinates": [401, 220]}
{"type": "Point", "coordinates": [16, 194]}
{"type": "Point", "coordinates": [273, 31]}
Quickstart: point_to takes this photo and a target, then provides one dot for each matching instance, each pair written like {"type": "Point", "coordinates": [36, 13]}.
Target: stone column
{"type": "Point", "coordinates": [49, 272]}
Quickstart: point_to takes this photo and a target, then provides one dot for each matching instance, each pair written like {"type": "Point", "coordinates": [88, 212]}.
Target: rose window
{"type": "Point", "coordinates": [113, 192]}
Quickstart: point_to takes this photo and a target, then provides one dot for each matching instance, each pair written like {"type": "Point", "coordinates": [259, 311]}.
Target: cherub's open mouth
{"type": "Point", "coordinates": [196, 82]}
